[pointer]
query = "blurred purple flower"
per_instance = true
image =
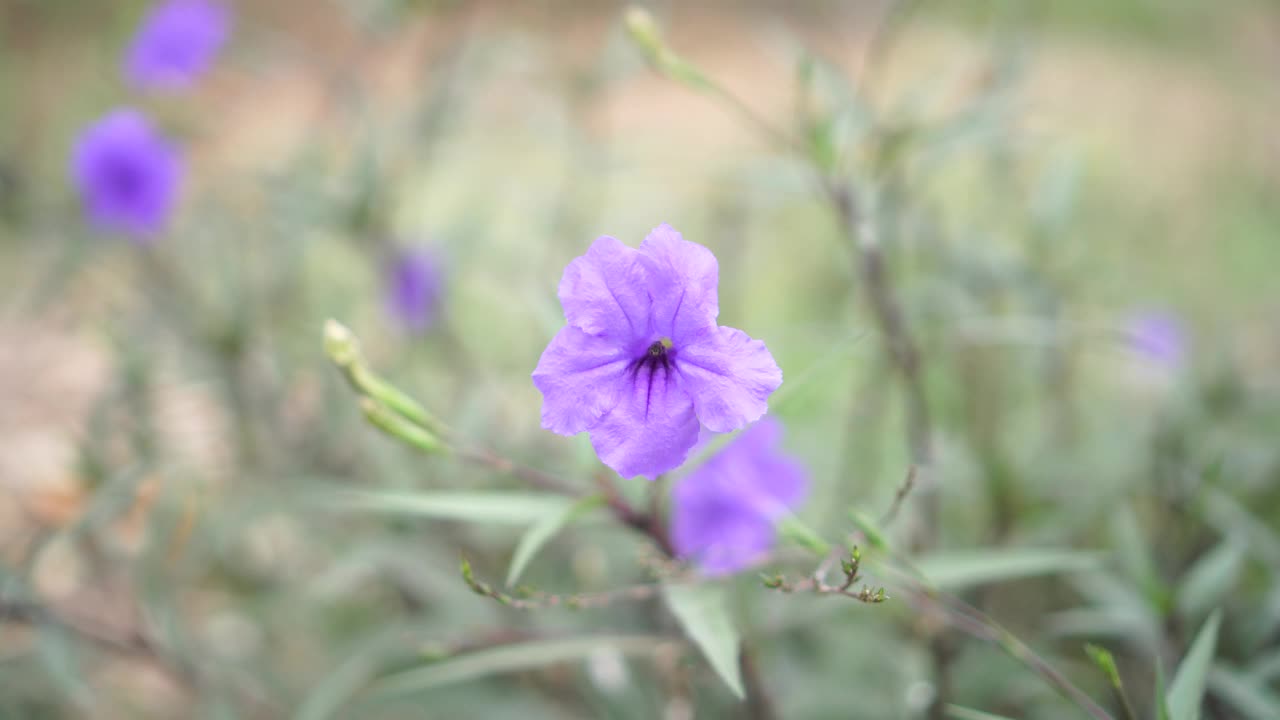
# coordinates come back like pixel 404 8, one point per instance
pixel 127 174
pixel 414 288
pixel 176 43
pixel 1157 336
pixel 642 359
pixel 724 513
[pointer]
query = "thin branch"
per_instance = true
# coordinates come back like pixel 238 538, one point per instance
pixel 900 347
pixel 903 490
pixel 531 476
pixel 977 624
pixel 530 599
pixel 131 642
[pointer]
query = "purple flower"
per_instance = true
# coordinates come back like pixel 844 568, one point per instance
pixel 176 43
pixel 642 359
pixel 414 287
pixel 724 513
pixel 1157 336
pixel 127 174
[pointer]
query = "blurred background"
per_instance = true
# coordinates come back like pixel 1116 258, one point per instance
pixel 1077 213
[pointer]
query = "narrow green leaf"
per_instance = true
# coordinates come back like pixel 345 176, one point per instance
pixel 795 531
pixel 500 508
pixel 339 685
pixel 703 613
pixel 1265 668
pixel 955 570
pixel 1250 698
pixel 1134 556
pixel 1187 691
pixel 1210 578
pixel 1230 517
pixel 545 529
pixel 58 655
pixel 506 659
pixel 963 713
pixel 1160 701
pixel 870 528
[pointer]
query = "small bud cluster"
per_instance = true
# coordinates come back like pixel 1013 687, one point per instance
pixel 849 565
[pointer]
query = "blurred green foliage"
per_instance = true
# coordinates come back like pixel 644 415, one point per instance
pixel 222 535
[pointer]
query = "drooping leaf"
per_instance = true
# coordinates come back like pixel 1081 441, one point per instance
pixel 1187 690
pixel 704 615
pixel 1210 578
pixel 1250 698
pixel 545 529
pixel 955 570
pixel 500 508
pixel 506 659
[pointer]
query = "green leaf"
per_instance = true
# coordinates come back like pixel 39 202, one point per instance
pixel 1187 690
pixel 1210 578
pixel 1161 703
pixel 506 659
pixel 1249 697
pixel 963 713
pixel 702 612
pixel 1230 517
pixel 545 529
pixel 870 528
pixel 1134 556
pixel 58 655
pixel 339 685
pixel 500 508
pixel 796 532
pixel 955 570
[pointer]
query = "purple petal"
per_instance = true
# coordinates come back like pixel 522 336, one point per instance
pixel 718 535
pixel 581 378
pixel 684 281
pixel 774 481
pixel 723 513
pixel 652 428
pixel 414 287
pixel 604 292
pixel 127 174
pixel 1158 336
pixel 729 376
pixel 176 43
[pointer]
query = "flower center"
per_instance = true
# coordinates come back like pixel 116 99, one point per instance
pixel 658 355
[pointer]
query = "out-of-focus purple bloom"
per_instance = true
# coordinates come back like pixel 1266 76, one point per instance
pixel 642 359
pixel 724 513
pixel 1157 336
pixel 127 174
pixel 176 43
pixel 414 288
